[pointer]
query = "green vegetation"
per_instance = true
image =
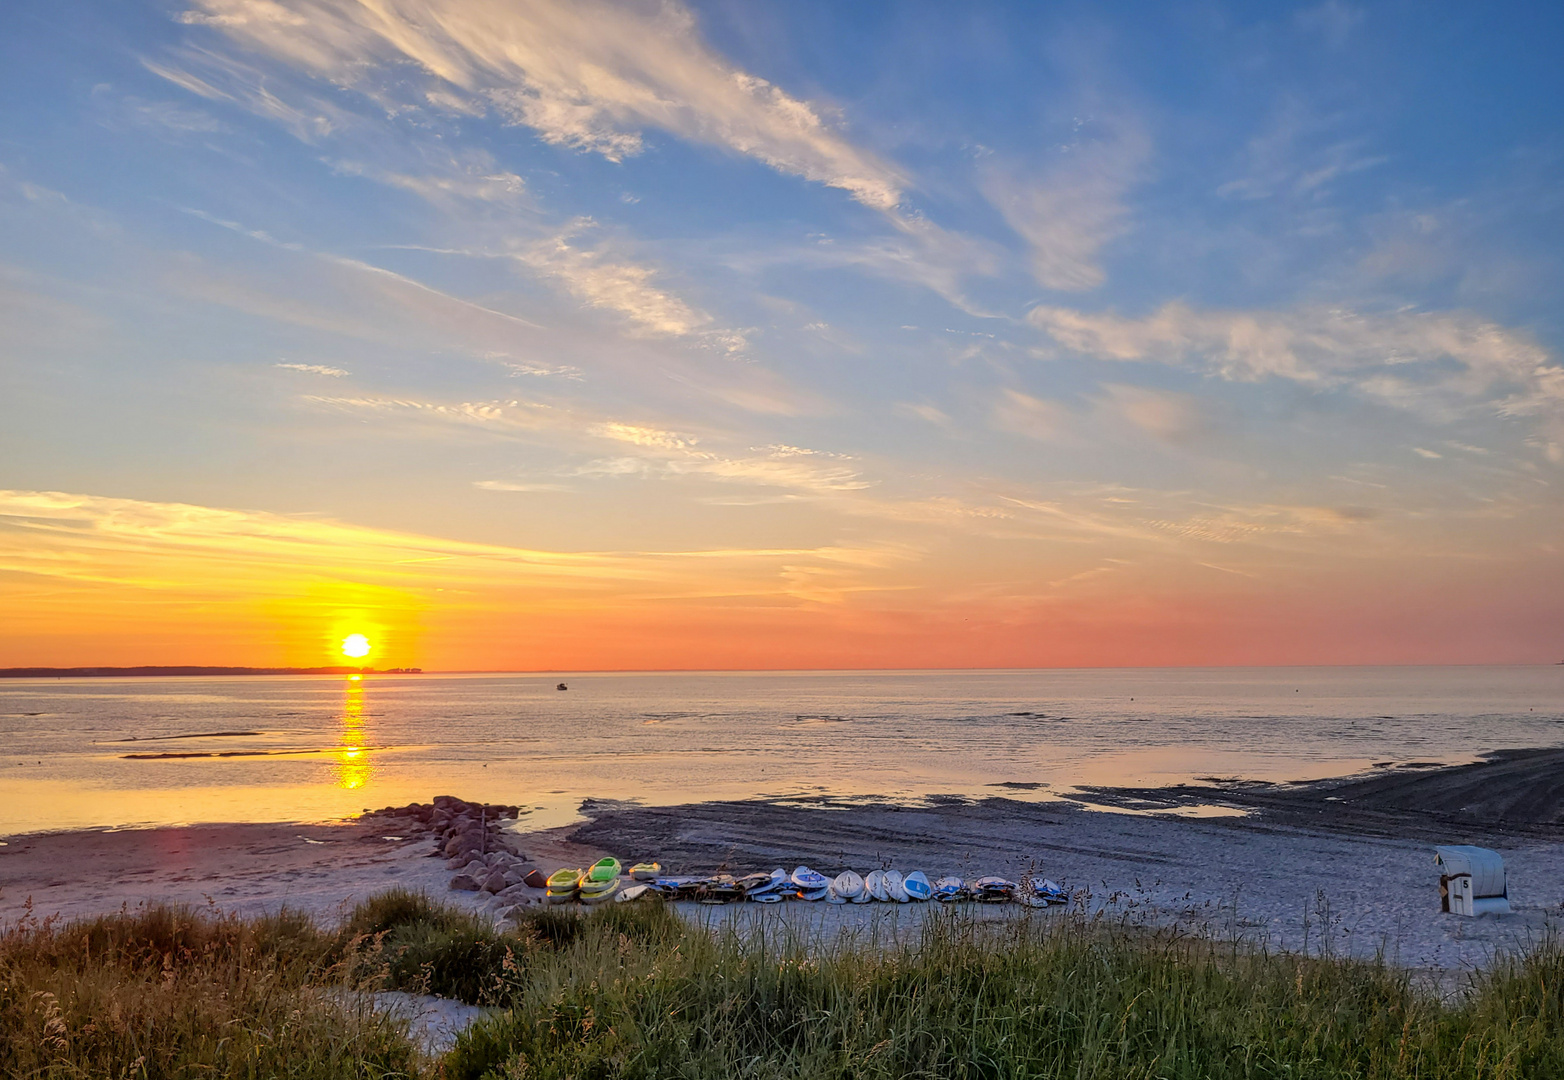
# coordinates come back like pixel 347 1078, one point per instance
pixel 633 991
pixel 172 993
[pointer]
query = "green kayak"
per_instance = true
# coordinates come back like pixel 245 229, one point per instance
pixel 603 870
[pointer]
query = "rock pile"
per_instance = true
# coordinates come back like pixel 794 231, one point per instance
pixel 473 840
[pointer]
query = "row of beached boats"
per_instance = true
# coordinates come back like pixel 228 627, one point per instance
pixel 604 880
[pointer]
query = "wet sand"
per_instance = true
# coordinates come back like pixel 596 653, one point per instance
pixel 1348 862
pixel 1509 794
pixel 319 869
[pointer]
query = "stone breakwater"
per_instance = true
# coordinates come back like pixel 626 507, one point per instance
pixel 474 841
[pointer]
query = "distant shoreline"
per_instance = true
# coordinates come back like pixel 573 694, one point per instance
pixel 191 669
pixel 122 672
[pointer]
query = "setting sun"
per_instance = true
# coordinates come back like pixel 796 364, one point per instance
pixel 355 645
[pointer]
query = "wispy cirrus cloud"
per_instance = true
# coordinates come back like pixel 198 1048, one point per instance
pixel 642 449
pixel 1177 419
pixel 1034 417
pixel 1438 363
pixel 450 177
pixel 1297 155
pixel 1077 203
pixel 587 75
pixel 604 277
pixel 107 550
pixel 164 119
pixel 917 252
pixel 601 280
pixel 316 369
pixel 581 73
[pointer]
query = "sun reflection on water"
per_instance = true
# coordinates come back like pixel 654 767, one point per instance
pixel 353 766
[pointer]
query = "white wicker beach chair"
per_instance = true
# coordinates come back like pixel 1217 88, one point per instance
pixel 1472 881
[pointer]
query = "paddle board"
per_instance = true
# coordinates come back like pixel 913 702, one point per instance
pixel 808 880
pixel 947 889
pixel 894 887
pixel 848 884
pixel 917 886
pixel 874 884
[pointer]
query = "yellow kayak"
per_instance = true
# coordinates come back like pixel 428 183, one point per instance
pixel 564 881
pixel 598 892
pixel 646 871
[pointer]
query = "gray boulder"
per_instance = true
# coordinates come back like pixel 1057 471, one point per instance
pixel 495 882
pixel 465 883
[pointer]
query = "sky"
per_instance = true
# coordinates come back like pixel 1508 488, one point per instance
pixel 569 334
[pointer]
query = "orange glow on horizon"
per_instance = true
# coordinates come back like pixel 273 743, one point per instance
pixel 121 582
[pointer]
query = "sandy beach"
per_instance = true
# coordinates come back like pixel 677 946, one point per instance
pixel 1345 864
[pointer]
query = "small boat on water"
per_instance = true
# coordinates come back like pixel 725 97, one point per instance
pixel 646 871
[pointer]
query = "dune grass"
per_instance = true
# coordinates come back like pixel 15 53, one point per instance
pixel 1057 996
pixel 635 991
pixel 174 993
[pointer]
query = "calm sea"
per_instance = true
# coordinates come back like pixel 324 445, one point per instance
pixel 156 751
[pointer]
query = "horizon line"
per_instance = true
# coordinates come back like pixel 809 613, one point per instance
pixel 320 671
